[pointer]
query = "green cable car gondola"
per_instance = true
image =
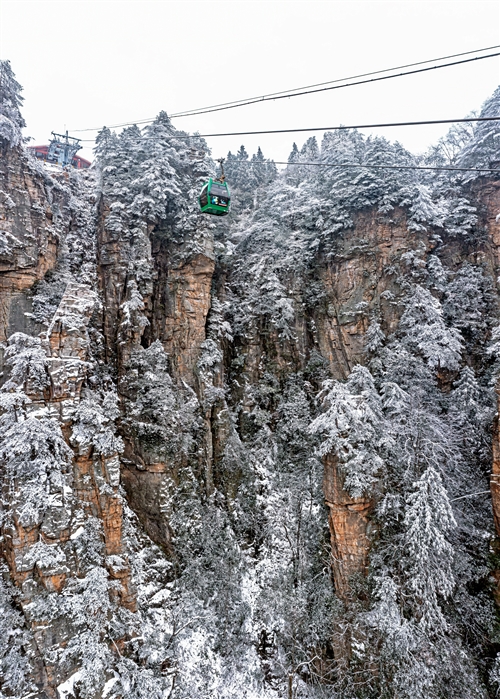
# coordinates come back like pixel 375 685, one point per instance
pixel 214 197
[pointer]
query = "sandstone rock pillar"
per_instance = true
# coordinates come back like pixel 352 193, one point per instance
pixel 350 528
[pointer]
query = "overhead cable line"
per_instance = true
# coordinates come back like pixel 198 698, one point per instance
pixel 332 87
pixel 309 89
pixel 430 122
pixel 188 112
pixel 377 167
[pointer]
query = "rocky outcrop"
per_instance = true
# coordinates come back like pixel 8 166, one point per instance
pixel 153 288
pixel 358 281
pixel 488 196
pixel 91 486
pixel 156 288
pixel 96 477
pixel 31 224
pixel 35 221
pixel 351 531
pixel 179 306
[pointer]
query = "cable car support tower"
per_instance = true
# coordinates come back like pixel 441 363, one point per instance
pixel 62 149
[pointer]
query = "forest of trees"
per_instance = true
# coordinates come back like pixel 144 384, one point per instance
pixel 238 597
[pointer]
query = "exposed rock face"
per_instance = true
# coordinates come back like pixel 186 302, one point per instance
pixel 361 277
pixel 175 300
pixel 152 289
pixel 68 366
pixel 35 222
pixel 355 284
pixel 92 483
pixel 489 198
pixel 168 301
pixel 350 529
pixel 31 225
pixel 68 347
pixel 179 305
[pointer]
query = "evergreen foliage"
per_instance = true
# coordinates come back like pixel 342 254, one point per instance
pixel 353 430
pixel 483 150
pixel 159 415
pixel 248 178
pixel 241 602
pixel 16 671
pixel 11 121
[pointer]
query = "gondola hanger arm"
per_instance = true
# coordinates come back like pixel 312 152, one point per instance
pixel 222 175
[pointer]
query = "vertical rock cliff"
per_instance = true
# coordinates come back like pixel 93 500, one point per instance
pixel 249 458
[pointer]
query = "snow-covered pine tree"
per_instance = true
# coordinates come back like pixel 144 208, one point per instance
pixel 352 428
pixel 424 331
pixel 17 672
pixel 11 120
pixel 483 150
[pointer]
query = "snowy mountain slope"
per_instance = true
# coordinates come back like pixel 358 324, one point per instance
pixel 250 458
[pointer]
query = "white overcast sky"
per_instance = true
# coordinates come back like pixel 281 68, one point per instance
pixel 89 63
